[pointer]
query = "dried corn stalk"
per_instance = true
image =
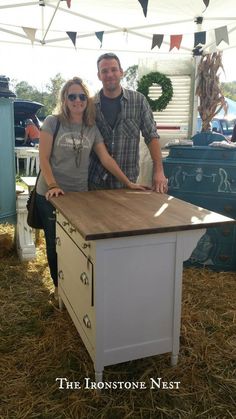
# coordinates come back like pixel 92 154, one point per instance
pixel 208 88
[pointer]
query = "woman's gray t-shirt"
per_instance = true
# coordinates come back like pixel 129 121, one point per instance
pixel 69 167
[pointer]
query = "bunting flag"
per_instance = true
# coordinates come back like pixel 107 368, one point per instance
pixel 72 36
pixel 199 38
pixel 175 41
pixel 144 4
pixel 99 35
pixel 221 34
pixel 206 2
pixel 157 39
pixel 68 2
pixel 30 32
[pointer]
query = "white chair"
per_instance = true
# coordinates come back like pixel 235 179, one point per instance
pixel 31 157
pixel 34 162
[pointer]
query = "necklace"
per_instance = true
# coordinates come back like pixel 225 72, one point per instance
pixel 78 146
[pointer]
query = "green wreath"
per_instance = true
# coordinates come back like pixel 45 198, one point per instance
pixel 167 90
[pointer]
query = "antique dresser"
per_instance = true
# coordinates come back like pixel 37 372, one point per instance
pixel 206 176
pixel 120 258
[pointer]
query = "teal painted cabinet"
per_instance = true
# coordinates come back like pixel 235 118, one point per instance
pixel 206 176
pixel 7 162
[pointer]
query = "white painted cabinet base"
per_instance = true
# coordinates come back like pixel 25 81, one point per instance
pixel 130 307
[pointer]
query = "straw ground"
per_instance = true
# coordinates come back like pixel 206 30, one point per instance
pixel 39 344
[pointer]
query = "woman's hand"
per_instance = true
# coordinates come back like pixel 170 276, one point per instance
pixel 54 192
pixel 139 187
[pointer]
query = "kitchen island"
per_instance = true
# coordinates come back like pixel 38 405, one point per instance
pixel 120 259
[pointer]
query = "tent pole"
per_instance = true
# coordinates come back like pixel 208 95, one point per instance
pixel 195 97
pixel 197 57
pixel 42 21
pixel 43 40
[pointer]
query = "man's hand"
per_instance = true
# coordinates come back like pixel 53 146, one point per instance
pixel 160 183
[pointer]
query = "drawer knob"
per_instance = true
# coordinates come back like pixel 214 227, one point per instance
pixel 228 208
pixel 86 321
pixel 72 230
pixel 58 241
pixel 226 232
pixel 65 223
pixel 85 245
pixel 224 258
pixel 60 275
pixel 84 278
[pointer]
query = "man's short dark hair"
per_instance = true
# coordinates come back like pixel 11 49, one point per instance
pixel 108 56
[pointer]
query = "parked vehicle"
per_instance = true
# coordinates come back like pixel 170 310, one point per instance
pixel 223 126
pixel 23 110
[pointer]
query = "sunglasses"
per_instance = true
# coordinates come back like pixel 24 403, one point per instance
pixel 73 96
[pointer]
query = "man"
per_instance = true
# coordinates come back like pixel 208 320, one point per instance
pixel 31 133
pixel 120 116
pixel 233 138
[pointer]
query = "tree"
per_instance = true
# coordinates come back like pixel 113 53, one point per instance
pixel 130 78
pixel 229 89
pixel 54 88
pixel 24 90
pixel 48 97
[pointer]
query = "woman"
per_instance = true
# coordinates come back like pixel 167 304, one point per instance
pixel 64 159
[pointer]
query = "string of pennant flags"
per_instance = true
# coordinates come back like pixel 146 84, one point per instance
pixel 144 4
pixel 221 34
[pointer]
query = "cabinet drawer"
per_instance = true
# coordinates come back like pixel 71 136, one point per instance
pixel 76 278
pixel 85 246
pixel 201 177
pixel 225 234
pixel 225 205
pixel 202 153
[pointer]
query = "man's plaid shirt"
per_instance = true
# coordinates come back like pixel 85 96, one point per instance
pixel 122 141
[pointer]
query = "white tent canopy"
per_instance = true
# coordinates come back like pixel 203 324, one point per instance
pixel 122 22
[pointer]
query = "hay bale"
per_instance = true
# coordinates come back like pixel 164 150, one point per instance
pixel 38 343
pixel 6 244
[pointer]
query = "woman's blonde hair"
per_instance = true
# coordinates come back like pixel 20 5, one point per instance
pixel 62 109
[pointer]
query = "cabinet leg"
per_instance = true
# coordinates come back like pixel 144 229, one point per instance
pixel 174 360
pixel 60 303
pixel 98 376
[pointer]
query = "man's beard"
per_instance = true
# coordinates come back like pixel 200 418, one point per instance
pixel 112 87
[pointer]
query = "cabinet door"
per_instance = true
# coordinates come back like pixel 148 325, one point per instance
pixel 76 279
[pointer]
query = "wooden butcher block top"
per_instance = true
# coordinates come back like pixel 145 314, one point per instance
pixel 122 212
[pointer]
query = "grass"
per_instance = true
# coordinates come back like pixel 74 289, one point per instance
pixel 39 343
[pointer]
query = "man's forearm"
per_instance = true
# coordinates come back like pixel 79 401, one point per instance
pixel 160 183
pixel 155 152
